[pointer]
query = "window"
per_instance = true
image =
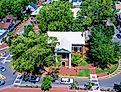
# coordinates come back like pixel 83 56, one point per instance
pixel 75 49
pixel 78 49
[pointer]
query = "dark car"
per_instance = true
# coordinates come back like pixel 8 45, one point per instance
pixel 118 36
pixel 34 79
pixel 31 78
pixel 2 68
pixel 26 78
pixel 2 82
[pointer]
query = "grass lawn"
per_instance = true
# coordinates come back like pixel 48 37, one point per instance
pixel 109 70
pixel 83 63
pixel 83 72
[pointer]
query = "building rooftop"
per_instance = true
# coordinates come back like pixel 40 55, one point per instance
pixel 5 22
pixel 118 6
pixel 66 39
pixel 36 11
pixel 33 5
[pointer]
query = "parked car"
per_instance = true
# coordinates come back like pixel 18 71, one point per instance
pixel 34 79
pixel 67 81
pixel 54 79
pixel 26 78
pixel 31 78
pixel 19 76
pixel 118 36
pixel 2 82
pixel 2 68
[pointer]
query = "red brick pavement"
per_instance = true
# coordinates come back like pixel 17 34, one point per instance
pixel 74 70
pixel 36 28
pixel 3 45
pixel 20 26
pixel 92 71
pixel 69 71
pixel 55 89
pixel 102 74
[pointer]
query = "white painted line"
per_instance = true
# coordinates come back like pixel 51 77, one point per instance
pixel 20 80
pixel 94 79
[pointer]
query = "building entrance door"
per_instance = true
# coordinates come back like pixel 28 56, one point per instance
pixel 63 63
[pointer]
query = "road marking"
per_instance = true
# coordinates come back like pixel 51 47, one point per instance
pixel 94 79
pixel 20 80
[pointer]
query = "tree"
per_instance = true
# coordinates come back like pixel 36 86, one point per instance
pixel 89 85
pixel 46 83
pixel 102 51
pixel 31 50
pixel 74 85
pixel 96 11
pixel 76 58
pixel 27 29
pixel 57 17
pixel 13 7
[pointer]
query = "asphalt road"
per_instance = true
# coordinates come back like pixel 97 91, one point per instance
pixel 109 82
pixel 10 77
pixel 8 74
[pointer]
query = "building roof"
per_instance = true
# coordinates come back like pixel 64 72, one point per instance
pixel 118 6
pixel 33 5
pixel 2 33
pixel 36 11
pixel 5 22
pixel 66 39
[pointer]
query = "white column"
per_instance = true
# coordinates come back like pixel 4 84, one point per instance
pixel 70 0
pixel 56 57
pixel 69 60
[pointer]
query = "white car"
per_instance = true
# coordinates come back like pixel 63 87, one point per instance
pixel 67 81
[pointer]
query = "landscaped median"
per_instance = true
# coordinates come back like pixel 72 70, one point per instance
pixel 84 71
pixel 107 70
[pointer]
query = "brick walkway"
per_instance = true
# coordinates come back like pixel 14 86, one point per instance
pixel 23 24
pixel 3 45
pixel 55 89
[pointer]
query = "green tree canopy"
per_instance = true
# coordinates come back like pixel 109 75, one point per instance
pixel 102 49
pixel 31 50
pixel 96 10
pixel 13 7
pixel 57 16
pixel 76 58
pixel 46 83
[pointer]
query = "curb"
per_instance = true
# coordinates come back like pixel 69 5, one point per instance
pixel 111 75
pixel 74 77
pixel 4 48
pixel 6 87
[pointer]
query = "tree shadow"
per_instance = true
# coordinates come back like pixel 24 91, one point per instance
pixel 117 88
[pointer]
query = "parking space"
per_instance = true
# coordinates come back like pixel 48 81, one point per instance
pixel 25 80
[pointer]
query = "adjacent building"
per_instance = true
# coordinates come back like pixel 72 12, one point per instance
pixel 7 24
pixel 76 3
